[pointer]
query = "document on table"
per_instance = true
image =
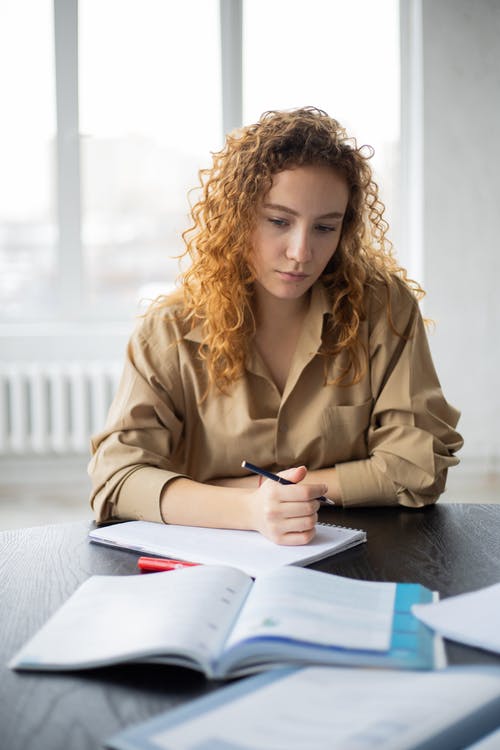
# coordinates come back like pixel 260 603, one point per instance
pixel 330 707
pixel 473 618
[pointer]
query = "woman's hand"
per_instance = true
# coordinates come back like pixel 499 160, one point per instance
pixel 287 514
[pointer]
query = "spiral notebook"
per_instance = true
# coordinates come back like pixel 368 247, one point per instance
pixel 247 550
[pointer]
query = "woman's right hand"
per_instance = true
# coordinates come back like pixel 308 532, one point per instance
pixel 287 514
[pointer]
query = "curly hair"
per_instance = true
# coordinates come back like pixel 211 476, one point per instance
pixel 217 288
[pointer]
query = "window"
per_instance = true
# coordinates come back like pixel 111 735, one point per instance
pixel 28 233
pixel 144 102
pixel 340 57
pixel 150 112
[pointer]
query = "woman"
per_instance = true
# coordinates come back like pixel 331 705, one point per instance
pixel 295 341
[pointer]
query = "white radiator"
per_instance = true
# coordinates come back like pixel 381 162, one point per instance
pixel 54 407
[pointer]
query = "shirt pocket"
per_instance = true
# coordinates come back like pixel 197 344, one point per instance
pixel 346 431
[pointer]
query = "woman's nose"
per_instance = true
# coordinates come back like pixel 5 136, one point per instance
pixel 299 247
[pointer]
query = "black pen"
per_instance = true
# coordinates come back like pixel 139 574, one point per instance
pixel 276 478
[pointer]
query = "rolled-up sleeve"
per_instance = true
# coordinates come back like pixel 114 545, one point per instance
pixel 411 438
pixel 132 457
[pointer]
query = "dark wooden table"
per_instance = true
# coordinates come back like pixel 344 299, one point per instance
pixel 449 548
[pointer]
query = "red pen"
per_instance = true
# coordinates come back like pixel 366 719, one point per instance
pixel 152 564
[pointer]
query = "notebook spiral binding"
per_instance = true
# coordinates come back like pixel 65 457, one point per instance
pixel 337 526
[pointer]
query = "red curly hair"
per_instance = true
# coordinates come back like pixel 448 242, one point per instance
pixel 217 288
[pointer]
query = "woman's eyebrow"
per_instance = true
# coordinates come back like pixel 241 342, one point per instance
pixel 279 207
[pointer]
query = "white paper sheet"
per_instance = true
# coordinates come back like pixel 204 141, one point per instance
pixel 473 618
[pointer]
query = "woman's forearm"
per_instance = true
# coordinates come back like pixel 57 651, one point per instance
pixel 284 513
pixel 250 482
pixel 189 503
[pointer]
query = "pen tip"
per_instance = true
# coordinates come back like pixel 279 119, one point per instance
pixel 243 463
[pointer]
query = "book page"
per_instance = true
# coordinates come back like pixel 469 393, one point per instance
pixel 306 605
pixel 324 707
pixel 117 618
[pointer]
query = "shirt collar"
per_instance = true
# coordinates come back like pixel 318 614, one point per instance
pixel 311 336
pixel 312 331
pixel 195 334
pixel 309 342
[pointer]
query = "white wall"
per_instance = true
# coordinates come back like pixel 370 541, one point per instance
pixel 461 177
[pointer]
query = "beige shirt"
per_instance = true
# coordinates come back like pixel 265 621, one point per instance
pixel 391 437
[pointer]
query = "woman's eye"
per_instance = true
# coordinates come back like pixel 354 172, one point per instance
pixel 325 229
pixel 278 222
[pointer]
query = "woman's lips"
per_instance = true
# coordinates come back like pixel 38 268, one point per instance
pixel 292 276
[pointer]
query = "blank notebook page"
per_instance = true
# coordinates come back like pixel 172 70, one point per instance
pixel 247 550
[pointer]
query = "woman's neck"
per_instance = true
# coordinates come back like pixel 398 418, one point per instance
pixel 279 325
pixel 273 314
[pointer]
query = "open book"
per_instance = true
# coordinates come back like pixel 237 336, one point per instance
pixel 218 621
pixel 247 550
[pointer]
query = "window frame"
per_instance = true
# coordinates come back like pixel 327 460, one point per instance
pixel 68 189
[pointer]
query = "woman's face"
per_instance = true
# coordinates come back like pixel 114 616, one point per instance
pixel 298 229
